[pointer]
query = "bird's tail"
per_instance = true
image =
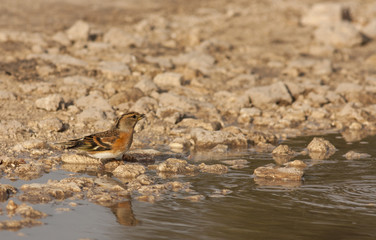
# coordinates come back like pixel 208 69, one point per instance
pixel 68 144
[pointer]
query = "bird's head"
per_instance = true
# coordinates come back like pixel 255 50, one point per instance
pixel 127 121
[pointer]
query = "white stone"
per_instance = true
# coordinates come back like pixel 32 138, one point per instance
pixel 324 14
pixel 50 103
pixel 79 31
pixel 370 29
pixel 168 79
pixel 62 38
pixel 146 85
pixel 266 95
pixel 113 69
pixel 93 100
pixel 339 35
pixel 348 87
pixel 120 38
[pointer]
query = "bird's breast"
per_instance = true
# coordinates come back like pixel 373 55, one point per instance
pixel 124 142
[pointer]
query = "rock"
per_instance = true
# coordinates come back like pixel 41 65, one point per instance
pixel 197 123
pixel 236 163
pixel 114 69
pixel 30 144
pixel 247 114
pixel 370 29
pixel 129 95
pixel 320 145
pixel 261 137
pixel 214 168
pixel 231 103
pixel 174 165
pixel 339 35
pixel 11 127
pixel 326 14
pixel 168 79
pixel 170 114
pixel 53 189
pixel 94 100
pixel 62 38
pixel 351 155
pixel 274 172
pixel 185 104
pixel 283 150
pixel 90 115
pixel 371 61
pixel 60 59
pixel 51 124
pixel 27 211
pixel 220 148
pixel 344 88
pixel 144 105
pixel 179 144
pixel 163 62
pixel 119 38
pixel 208 139
pixel 5 191
pixel 195 60
pixel 266 95
pixel 79 159
pixel 79 80
pixel 146 85
pixel 6 95
pixel 29 171
pixel 52 102
pixel 350 112
pixel 79 31
pixel 244 81
pixel 323 67
pixel 195 198
pixel 14 225
pixel 129 170
pixel 296 164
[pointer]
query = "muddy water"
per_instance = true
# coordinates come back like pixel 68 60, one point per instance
pixel 336 200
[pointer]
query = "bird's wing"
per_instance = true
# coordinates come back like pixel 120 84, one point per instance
pixel 96 142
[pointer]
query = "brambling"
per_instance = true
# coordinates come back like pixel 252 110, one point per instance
pixel 110 144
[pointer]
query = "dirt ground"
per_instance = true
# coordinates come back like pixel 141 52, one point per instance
pixel 249 37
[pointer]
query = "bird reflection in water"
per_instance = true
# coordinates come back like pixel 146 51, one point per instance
pixel 124 213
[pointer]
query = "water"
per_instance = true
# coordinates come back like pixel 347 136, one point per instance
pixel 336 200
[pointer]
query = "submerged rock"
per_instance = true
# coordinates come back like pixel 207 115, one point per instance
pixel 236 163
pixel 351 155
pixel 215 168
pixel 174 165
pixel 288 172
pixel 195 198
pixel 18 224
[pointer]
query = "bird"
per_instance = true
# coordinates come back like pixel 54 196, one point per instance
pixel 110 144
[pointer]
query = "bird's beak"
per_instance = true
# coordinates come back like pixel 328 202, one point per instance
pixel 140 117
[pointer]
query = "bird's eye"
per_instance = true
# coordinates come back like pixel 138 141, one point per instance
pixel 134 116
